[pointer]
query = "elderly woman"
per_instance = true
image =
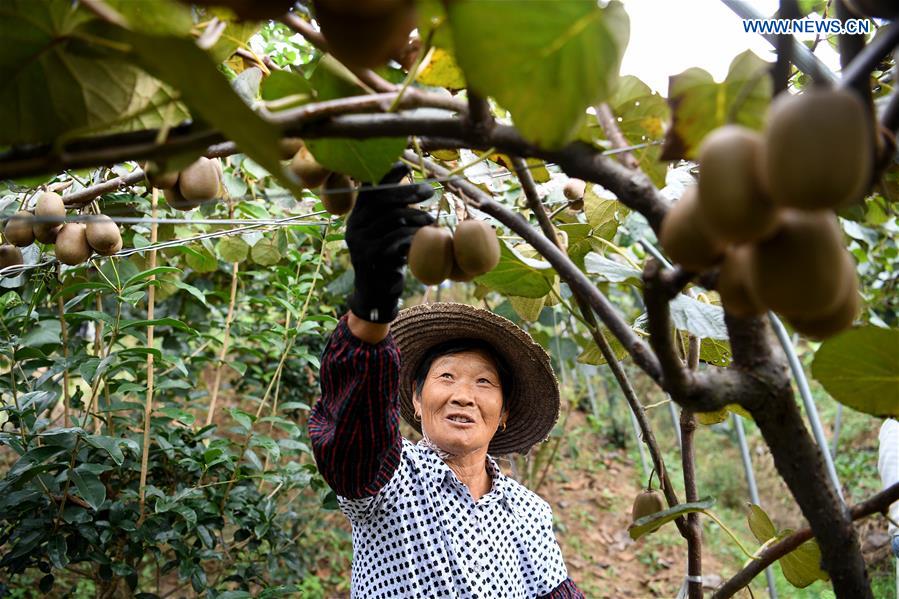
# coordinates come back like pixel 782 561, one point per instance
pixel 437 518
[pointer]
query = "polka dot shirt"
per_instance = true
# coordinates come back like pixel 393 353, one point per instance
pixel 424 536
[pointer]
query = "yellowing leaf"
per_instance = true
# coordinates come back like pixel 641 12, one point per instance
pixel 527 308
pixel 442 71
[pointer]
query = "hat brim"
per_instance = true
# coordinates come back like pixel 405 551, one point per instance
pixel 534 399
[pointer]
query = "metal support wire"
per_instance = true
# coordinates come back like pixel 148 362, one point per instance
pixel 753 489
pixel 810 409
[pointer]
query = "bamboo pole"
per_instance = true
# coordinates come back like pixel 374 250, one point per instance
pixel 148 404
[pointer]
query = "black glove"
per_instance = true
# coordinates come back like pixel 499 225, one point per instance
pixel 378 233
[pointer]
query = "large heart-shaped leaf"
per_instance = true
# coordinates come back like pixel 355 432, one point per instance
pixel 516 275
pixel 570 51
pixel 700 104
pixel 860 369
pixel 642 118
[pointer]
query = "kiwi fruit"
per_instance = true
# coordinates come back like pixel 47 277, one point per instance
pixel 475 247
pixel 289 146
pixel 459 275
pixel 731 196
pixel 734 287
pixel 10 255
pixel 18 230
pixel 818 150
pixel 103 235
pixel 646 503
pixel 310 172
pixel 685 237
pixel 366 39
pixel 431 255
pixel 177 201
pixel 158 179
pixel 338 194
pixel 49 205
pixel 838 319
pixel 800 270
pixel 883 9
pixel 574 189
pixel 200 181
pixel 71 244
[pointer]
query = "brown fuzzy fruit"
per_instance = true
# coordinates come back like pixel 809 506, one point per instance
pixel 685 237
pixel 310 172
pixel 103 235
pixel 338 194
pixel 800 270
pixel 49 205
pixel 431 255
pixel 837 320
pixel 731 196
pixel 19 230
pixel 734 284
pixel 883 9
pixel 71 244
pixel 10 255
pixel 818 149
pixel 475 247
pixel 574 189
pixel 200 181
pixel 158 179
pixel 177 201
pixel 289 147
pixel 648 502
pixel 459 275
pixel 366 40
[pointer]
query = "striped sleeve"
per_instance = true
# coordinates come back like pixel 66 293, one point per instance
pixel 354 426
pixel 566 590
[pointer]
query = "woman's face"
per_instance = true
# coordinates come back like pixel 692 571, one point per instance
pixel 461 402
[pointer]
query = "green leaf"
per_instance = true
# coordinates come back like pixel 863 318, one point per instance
pixel 860 369
pixel 109 444
pixel 158 322
pixel 178 414
pixel 570 50
pixel 57 551
pixel 653 522
pixel 760 524
pixel 232 249
pixel 802 566
pixel 591 354
pixel 89 487
pixel 518 276
pixel 602 213
pixel 700 104
pixel 56 79
pixel 703 320
pixel 268 444
pixel 265 253
pixel 243 419
pixel 158 16
pixel 190 70
pixel 364 160
pixel 34 457
pixel 282 84
pixel 144 275
pixel 527 308
pixel 201 297
pixel 643 116
pixel 612 271
pixel 200 259
pixel 46 332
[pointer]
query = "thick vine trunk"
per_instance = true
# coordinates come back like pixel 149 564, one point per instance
pixel 799 462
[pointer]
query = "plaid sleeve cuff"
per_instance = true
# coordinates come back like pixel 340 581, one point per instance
pixel 354 427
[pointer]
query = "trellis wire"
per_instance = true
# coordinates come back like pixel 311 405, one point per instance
pixel 811 409
pixel 11 271
pixel 753 488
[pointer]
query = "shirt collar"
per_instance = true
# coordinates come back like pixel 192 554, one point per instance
pixel 435 471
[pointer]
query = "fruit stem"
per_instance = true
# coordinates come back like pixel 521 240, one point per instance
pixel 730 533
pixel 424 57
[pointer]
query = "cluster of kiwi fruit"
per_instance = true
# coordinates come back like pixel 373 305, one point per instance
pixel 337 192
pixel 764 209
pixel 365 33
pixel 74 241
pixel 436 254
pixel 574 191
pixel 199 182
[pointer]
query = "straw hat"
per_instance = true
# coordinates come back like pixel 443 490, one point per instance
pixel 534 398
